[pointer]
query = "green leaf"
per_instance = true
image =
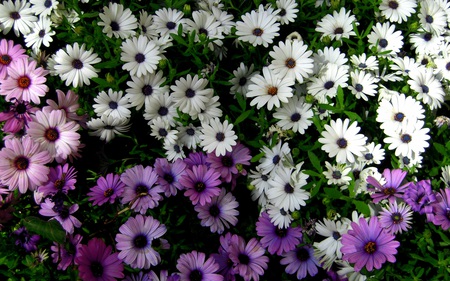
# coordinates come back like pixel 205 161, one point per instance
pixel 362 207
pixel 340 98
pixel 51 229
pixel 440 148
pixel 243 116
pixel 332 192
pixel 315 161
pixel 353 116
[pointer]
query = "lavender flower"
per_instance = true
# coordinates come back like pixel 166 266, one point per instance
pixel 61 213
pixel 201 184
pixel 60 179
pixel 194 267
pixel 26 240
pixel 420 197
pixel 196 158
pixel 227 165
pixel 396 218
pixel 169 175
pixel 392 188
pixel 301 261
pixel 66 255
pixel 441 209
pixel 17 116
pixel 107 189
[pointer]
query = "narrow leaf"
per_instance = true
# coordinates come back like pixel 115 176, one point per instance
pixel 51 229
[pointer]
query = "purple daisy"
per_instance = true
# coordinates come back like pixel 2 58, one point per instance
pixel 107 189
pixel 163 276
pixel 24 82
pixel 231 163
pixel 17 116
pixel 65 255
pixel 141 188
pixel 441 209
pixel 220 213
pixel 96 262
pixel 277 240
pixel 201 184
pixel 420 197
pixel 67 102
pixel 368 245
pixel 223 258
pixel 195 159
pixel 392 189
pixel 169 175
pixel 26 240
pixel 396 218
pixel 301 261
pixel 55 134
pixel 194 267
pixel 61 213
pixel 248 259
pixel 9 53
pixel 60 179
pixel 22 164
pixel 135 241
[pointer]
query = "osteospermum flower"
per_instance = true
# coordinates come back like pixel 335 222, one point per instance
pixel 368 245
pixel 112 103
pixel 241 79
pixel 74 65
pixel 398 10
pixel 275 157
pixel 166 21
pixel 134 241
pixel 363 84
pixel 144 87
pixel 396 218
pixel 301 261
pixel 441 209
pixel 201 184
pixel 25 81
pixel 61 178
pixel 288 11
pixel 62 255
pixel 22 164
pixel 295 115
pixel 55 134
pixel 67 102
pixel 194 266
pixel 218 137
pixel 410 139
pixel 9 52
pixel 43 7
pixel 329 249
pixel 16 15
pixel 169 175
pixel 62 213
pixel 258 27
pixel 327 83
pixel 96 262
pixel 190 94
pixel 26 240
pixel 117 21
pixel 107 127
pixel 17 116
pixel 343 141
pixel 337 26
pixel 427 87
pixel 41 34
pixel 108 188
pixel 392 187
pixel 141 56
pixel 385 38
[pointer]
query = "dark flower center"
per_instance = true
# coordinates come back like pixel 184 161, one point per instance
pixel 51 134
pixel 336 175
pixel 425 89
pixel 339 30
pixel 140 241
pixel 64 213
pixel 170 25
pixel 370 247
pixel 77 64
pixel 288 188
pixel 242 81
pixel 21 163
pixel 113 105
pixel 177 148
pixel 109 192
pixel 162 132
pixel 214 211
pixel 264 177
pixel 168 178
pixel 429 19
pixel 258 32
pixel 142 190
pixel 342 143
pixel 59 184
pixel 41 33
pixel 290 63
pixel 272 91
pixel 399 117
pixel 447 213
pixel 14 15
pixel 336 235
pixel 190 132
pixel 190 93
pixel 396 218
pixel 48 3
pixel 5 59
pixel 199 186
pixel 424 61
pixel 203 31
pixel 220 136
pixel 383 43
pixel 115 26
pixel 140 58
pixel 96 269
pixel 21 108
pixel 328 85
pixel 147 90
pixel 302 254
pixel 389 191
pixel 447 66
pixel 24 82
pixel 393 4
pixel 362 65
pixel 427 37
pixel 282 13
pixel 243 259
pixel 163 111
pixel 283 212
pixel 405 138
pixel 227 161
pixel 276 159
pixel 406 160
pixel 368 156
pixel 359 87
pixel 195 275
pixel 295 117
pixel 281 232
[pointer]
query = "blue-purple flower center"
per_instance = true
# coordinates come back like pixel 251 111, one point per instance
pixel 96 269
pixel 342 143
pixel 399 117
pixel 214 210
pixel 242 81
pixel 190 132
pixel 427 37
pixel 48 3
pixel 140 241
pixel 328 85
pixel 147 90
pixel 227 161
pixel 290 63
pixel 220 136
pixel 114 26
pixel 283 212
pixel 362 65
pixel 429 19
pixel 41 33
pixel 258 32
pixel 199 186
pixel 203 31
pixel 140 58
pixel 264 177
pixel 243 259
pixel 393 4
pixel 21 108
pixel 195 275
pixel 281 232
pixel 447 213
pixel 302 254
pixel 276 159
pixel 162 132
pixel 113 104
pixel 77 64
pixel 359 87
pixel 190 93
pixel 141 190
pixel 336 175
pixel 288 188
pixel 405 138
pixel 396 218
pixel 14 15
pixel 170 25
pixel 425 89
pixel 336 235
pixel 370 247
pixel 168 178
pixel 383 43
pixel 406 160
pixel 339 30
pixel 368 156
pixel 163 111
pixel 21 163
pixel 295 117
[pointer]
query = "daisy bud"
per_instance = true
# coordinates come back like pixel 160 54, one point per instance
pixel 187 10
pixel 250 187
pixel 413 25
pixel 405 89
pixel 109 78
pixel 326 40
pixel 295 215
pixel 310 99
pixel 331 214
pixel 162 64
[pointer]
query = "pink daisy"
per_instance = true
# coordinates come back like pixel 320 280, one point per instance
pixel 67 102
pixel 9 53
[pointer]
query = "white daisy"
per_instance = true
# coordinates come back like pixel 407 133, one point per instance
pixel 330 247
pixel 385 39
pixel 41 34
pixel 190 94
pixel 427 87
pixel 443 67
pixel 338 174
pixel 204 23
pixel 410 138
pixel 426 43
pixel 413 162
pixel 292 59
pixel 189 135
pixel 161 130
pixel 212 111
pixel 445 175
pixel 288 11
pixel 112 103
pixel 343 141
pixel 166 21
pixel 337 26
pixel 241 79
pixel 363 84
pixel 364 62
pixel 258 27
pixel 326 85
pixel 146 25
pixel 274 157
pixel 329 55
pixel 373 154
pixel 16 15
pixel 225 19
pixel 398 10
pixel 74 65
pixel 260 185
pixel 117 21
pixel 295 115
pixel 141 56
pixel 432 17
pixel 280 217
pixel 392 113
pixel 142 88
pixel 269 89
pixel 218 137
pixel 43 7
pixel 404 65
pixel 107 127
pixel 174 151
pixel 161 105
